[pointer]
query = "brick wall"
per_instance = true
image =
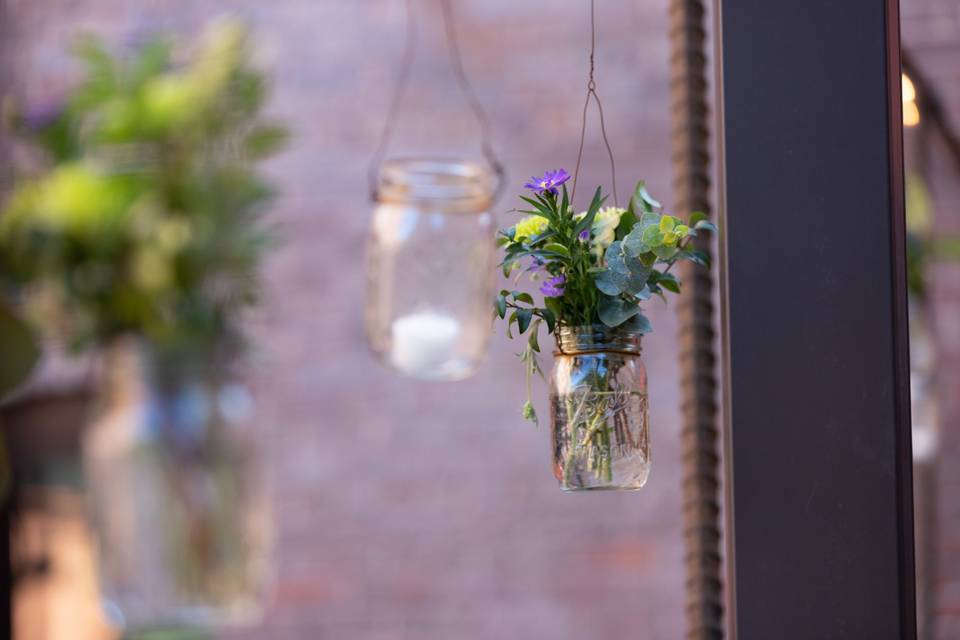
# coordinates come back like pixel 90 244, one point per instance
pixel 404 509
pixel 931 31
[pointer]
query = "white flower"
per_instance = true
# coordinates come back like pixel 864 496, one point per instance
pixel 603 230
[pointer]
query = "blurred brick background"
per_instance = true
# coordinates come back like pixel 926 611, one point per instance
pixel 406 509
pixel 424 511
pixel 931 31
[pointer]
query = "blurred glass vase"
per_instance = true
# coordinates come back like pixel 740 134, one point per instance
pixel 175 492
pixel 429 262
pixel 599 410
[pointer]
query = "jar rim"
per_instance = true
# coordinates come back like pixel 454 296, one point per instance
pixel 597 338
pixel 435 178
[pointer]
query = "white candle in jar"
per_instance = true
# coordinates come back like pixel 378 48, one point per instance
pixel 424 344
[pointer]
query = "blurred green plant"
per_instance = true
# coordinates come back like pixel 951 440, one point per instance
pixel 923 247
pixel 142 213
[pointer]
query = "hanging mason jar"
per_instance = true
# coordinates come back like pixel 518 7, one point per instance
pixel 431 246
pixel 430 257
pixel 599 410
pixel 176 497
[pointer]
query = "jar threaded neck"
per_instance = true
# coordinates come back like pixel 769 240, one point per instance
pixel 580 339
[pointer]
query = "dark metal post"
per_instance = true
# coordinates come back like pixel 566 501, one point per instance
pixel 815 322
pixel 691 166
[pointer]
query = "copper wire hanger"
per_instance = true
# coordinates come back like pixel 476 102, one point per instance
pixel 466 88
pixel 592 93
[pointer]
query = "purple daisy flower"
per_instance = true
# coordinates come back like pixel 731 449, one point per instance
pixel 549 182
pixel 536 265
pixel 553 287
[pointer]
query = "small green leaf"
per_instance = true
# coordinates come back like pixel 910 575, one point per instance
pixel 556 247
pixel 549 318
pixel 696 217
pixel 626 224
pixel 541 209
pixel 669 282
pixel 587 221
pixel 705 224
pixel 501 306
pixel 554 306
pixel 644 199
pixel 523 319
pixel 522 296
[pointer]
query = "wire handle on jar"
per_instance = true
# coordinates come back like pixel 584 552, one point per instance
pixel 592 93
pixel 403 79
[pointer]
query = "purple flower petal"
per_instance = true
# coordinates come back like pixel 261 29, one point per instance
pixel 553 287
pixel 549 182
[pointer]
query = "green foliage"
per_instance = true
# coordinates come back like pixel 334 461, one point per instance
pixel 20 351
pixel 606 259
pixel 145 217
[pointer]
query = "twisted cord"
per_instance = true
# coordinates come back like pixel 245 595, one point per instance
pixel 592 94
pixel 695 311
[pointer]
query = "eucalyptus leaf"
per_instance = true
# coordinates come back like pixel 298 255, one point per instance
pixel 652 236
pixel 609 283
pixel 650 220
pixel 625 273
pixel 501 306
pixel 664 252
pixel 633 244
pixel 614 311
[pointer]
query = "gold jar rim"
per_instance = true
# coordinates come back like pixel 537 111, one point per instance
pixel 574 340
pixel 456 183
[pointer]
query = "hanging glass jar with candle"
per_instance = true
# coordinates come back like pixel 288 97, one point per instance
pixel 431 248
pixel 430 263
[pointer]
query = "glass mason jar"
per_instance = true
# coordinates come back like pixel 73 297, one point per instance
pixel 430 267
pixel 599 413
pixel 176 499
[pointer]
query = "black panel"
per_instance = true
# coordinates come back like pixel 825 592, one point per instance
pixel 818 396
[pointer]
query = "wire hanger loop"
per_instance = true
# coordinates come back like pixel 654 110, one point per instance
pixel 466 88
pixel 592 95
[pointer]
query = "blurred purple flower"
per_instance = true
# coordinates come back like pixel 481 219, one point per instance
pixel 553 287
pixel 536 265
pixel 42 115
pixel 585 234
pixel 549 182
